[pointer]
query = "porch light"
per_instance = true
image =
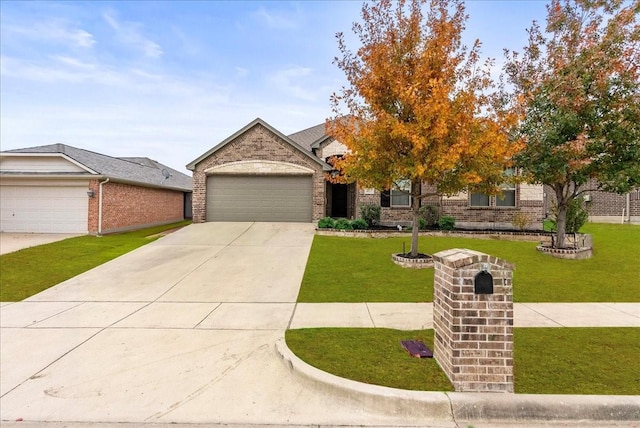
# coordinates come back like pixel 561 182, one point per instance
pixel 90 193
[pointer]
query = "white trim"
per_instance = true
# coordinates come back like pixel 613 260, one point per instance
pixel 49 155
pixel 259 167
pixel 398 189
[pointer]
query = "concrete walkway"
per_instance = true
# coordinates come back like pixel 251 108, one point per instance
pixel 184 330
pixel 416 316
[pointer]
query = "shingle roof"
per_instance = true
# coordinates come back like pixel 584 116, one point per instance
pixel 306 149
pixel 132 169
pixel 307 137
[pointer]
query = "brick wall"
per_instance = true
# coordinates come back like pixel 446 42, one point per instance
pixel 465 215
pixel 493 217
pixel 128 207
pixel 606 206
pixel 257 143
pixel 473 332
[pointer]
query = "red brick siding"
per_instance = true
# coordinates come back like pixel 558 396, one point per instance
pixel 460 210
pixel 94 206
pixel 126 206
pixel 258 143
pixel 604 204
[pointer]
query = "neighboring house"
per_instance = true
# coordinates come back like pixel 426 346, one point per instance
pixel 63 189
pixel 259 174
pixel 605 207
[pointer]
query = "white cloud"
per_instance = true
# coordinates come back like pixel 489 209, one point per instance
pixel 279 20
pixel 288 81
pixel 130 34
pixel 53 31
pixel 74 62
pixel 241 71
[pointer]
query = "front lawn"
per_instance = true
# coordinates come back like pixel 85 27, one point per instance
pixel 360 270
pixel 546 360
pixel 32 270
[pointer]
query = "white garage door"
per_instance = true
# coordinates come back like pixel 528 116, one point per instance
pixel 40 209
pixel 259 198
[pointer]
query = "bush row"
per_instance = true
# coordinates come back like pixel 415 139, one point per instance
pixel 342 224
pixel 445 223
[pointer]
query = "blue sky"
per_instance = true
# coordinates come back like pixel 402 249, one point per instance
pixel 169 80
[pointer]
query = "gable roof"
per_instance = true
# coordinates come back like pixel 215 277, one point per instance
pixel 295 144
pixel 138 170
pixel 308 137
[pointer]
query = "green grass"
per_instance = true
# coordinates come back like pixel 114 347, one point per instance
pixel 546 360
pixel 577 360
pixel 372 356
pixel 361 270
pixel 32 270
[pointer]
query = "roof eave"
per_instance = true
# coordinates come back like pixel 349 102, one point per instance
pixel 192 166
pixel 49 154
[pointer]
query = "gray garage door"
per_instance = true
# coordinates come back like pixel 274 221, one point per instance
pixel 259 198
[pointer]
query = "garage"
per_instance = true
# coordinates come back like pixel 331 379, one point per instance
pixel 41 209
pixel 268 198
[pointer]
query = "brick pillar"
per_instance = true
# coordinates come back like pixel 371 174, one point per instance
pixel 473 332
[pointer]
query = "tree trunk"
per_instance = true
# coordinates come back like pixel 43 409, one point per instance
pixel 415 208
pixel 561 218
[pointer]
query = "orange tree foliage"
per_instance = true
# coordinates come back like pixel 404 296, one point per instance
pixel 418 105
pixel 579 87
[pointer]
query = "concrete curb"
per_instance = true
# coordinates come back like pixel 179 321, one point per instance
pixel 459 406
pixel 391 401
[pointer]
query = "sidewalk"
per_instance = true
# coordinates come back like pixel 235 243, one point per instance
pixel 417 316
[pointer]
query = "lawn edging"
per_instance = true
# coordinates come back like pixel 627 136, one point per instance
pixel 461 406
pixel 510 235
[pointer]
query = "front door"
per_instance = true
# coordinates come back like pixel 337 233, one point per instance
pixel 339 197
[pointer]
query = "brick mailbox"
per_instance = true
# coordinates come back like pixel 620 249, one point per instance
pixel 473 320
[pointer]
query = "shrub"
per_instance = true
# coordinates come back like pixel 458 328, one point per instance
pixel 370 214
pixel 326 223
pixel 422 223
pixel 447 223
pixel 343 224
pixel 521 220
pixel 359 224
pixel 430 214
pixel 577 216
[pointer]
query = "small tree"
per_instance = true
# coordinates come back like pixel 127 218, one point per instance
pixel 418 106
pixel 577 215
pixel 578 84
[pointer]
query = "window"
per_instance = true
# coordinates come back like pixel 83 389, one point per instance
pixel 506 198
pixel 479 200
pixel 401 195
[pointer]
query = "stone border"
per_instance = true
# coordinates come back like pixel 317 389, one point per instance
pixel 479 234
pixel 567 253
pixel 407 262
pixel 465 406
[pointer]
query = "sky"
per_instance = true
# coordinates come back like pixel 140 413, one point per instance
pixel 169 80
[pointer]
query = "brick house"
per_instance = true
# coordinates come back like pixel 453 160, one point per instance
pixel 605 207
pixel 63 189
pixel 259 174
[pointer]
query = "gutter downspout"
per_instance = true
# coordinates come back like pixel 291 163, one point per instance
pixel 628 219
pixel 100 206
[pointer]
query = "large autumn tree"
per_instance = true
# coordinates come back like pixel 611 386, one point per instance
pixel 419 105
pixel 579 85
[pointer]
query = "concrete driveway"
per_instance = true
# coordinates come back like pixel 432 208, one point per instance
pixel 181 330
pixel 10 242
